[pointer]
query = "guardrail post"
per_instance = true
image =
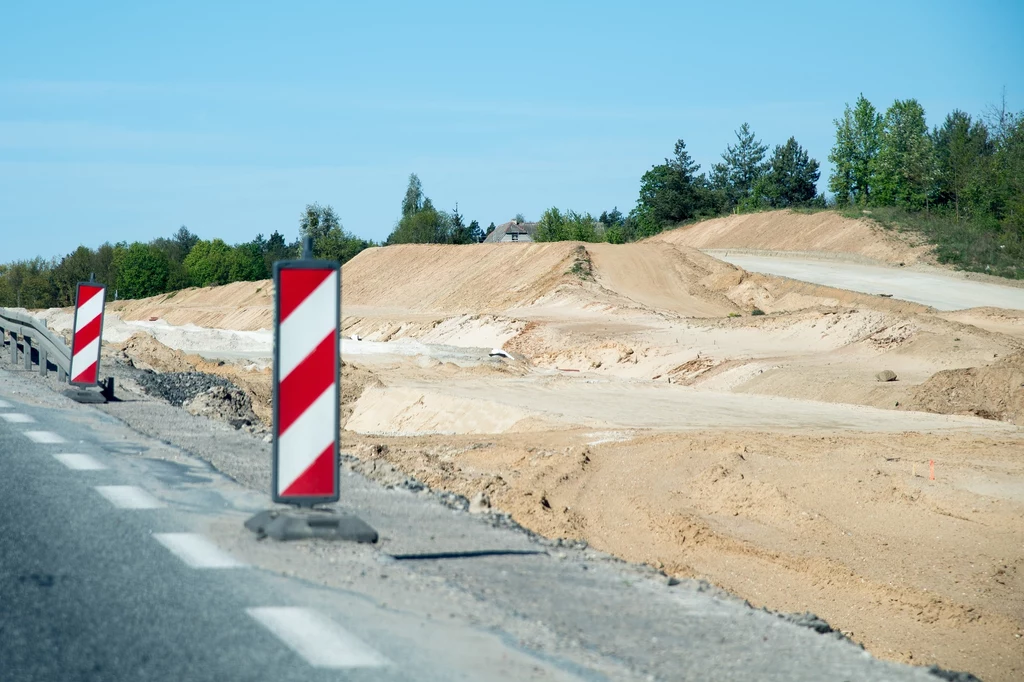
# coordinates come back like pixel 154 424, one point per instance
pixel 62 376
pixel 27 346
pixel 42 361
pixel 14 348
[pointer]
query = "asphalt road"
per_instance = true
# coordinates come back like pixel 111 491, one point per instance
pixel 107 575
pixel 141 570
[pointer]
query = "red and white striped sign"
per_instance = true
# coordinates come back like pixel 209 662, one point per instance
pixel 306 366
pixel 85 343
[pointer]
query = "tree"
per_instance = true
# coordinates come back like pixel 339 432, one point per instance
pixel 958 146
pixel 743 166
pixel 185 241
pixel 209 263
pixel 141 271
pixel 276 249
pixel 413 200
pixel 520 218
pixel 672 193
pixel 421 223
pixel 246 262
pixel 858 136
pixel 555 226
pixel 867 134
pixel 841 181
pixel 73 268
pixel 791 179
pixel 317 221
pixel 476 235
pixel 426 226
pixel 611 218
pixel 903 167
pixel 459 232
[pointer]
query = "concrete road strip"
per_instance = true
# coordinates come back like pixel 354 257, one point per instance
pixel 44 437
pixel 197 551
pixel 316 638
pixel 16 418
pixel 79 462
pixel 4 405
pixel 128 497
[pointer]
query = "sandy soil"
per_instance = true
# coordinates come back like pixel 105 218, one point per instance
pixel 825 233
pixel 645 409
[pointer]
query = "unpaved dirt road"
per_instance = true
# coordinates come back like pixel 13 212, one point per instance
pixel 938 289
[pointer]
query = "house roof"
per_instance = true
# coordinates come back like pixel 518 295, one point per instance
pixel 511 227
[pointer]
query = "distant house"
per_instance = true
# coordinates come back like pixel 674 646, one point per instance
pixel 512 232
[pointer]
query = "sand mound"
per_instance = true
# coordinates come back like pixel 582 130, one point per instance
pixel 825 232
pixel 476 278
pixel 243 306
pixel 993 392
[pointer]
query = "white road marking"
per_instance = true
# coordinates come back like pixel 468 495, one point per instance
pixel 4 405
pixel 197 551
pixel 318 639
pixel 79 462
pixel 45 437
pixel 16 418
pixel 128 497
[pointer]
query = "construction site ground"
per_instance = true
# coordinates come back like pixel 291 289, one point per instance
pixel 674 409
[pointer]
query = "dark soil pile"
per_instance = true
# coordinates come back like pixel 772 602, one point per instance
pixel 992 392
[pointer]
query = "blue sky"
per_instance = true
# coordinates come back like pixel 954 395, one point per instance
pixel 124 120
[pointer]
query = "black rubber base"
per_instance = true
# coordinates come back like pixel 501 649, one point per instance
pixel 300 524
pixel 85 395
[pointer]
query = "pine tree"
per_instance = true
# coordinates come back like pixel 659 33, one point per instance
pixel 743 165
pixel 791 179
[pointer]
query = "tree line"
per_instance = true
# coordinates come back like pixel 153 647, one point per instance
pixel 961 183
pixel 141 269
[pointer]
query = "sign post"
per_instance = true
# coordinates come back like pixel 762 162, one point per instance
pixel 88 334
pixel 86 344
pixel 306 404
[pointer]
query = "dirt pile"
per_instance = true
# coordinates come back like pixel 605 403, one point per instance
pixel 992 392
pixel 824 232
pixel 917 570
pixel 477 279
pixel 227 403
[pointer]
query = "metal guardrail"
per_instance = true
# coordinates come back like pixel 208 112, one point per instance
pixel 49 348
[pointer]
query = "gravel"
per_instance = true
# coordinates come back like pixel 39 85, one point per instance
pixel 179 387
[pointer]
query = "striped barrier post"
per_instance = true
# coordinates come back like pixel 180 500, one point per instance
pixel 88 334
pixel 306 381
pixel 307 398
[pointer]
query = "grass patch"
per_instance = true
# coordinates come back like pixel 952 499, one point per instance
pixel 968 245
pixel 581 266
pixel 171 294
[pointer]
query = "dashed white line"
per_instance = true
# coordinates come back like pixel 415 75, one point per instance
pixel 79 462
pixel 44 437
pixel 128 497
pixel 16 418
pixel 4 405
pixel 197 551
pixel 316 638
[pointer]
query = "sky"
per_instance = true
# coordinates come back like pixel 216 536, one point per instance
pixel 121 121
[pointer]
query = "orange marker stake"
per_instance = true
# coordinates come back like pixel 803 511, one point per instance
pixel 931 469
